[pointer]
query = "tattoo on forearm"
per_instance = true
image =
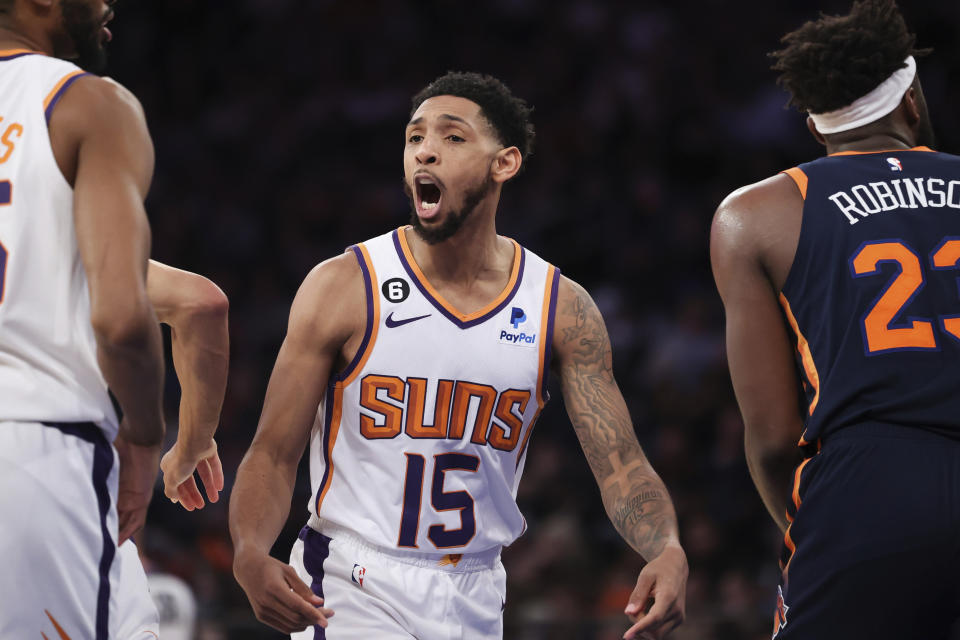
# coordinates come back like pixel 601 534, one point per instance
pixel 633 494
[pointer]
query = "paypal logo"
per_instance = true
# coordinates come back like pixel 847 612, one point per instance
pixel 517 338
pixel 517 316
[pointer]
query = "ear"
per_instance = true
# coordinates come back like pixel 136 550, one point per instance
pixel 911 109
pixel 816 134
pixel 506 163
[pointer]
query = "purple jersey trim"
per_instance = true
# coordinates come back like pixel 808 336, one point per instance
pixel 327 418
pixel 102 463
pixel 548 334
pixel 17 55
pixel 316 550
pixel 59 94
pixel 443 310
pixel 368 292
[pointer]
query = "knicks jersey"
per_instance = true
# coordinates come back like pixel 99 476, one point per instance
pixel 420 442
pixel 48 364
pixel 872 296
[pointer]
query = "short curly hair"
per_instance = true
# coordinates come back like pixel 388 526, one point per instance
pixel 831 62
pixel 507 114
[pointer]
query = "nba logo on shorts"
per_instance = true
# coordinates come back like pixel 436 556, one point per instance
pixel 895 164
pixel 358 573
pixel 517 316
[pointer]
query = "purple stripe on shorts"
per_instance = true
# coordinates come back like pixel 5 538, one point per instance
pixel 102 463
pixel 316 548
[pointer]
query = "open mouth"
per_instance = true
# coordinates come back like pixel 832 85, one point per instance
pixel 428 195
pixel 105 34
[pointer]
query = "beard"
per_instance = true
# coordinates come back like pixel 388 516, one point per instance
pixel 455 220
pixel 83 26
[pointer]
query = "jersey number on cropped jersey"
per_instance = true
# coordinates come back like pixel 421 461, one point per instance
pixel 440 536
pixel 878 334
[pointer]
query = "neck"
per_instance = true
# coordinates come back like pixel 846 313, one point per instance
pixel 880 141
pixel 13 36
pixel 474 249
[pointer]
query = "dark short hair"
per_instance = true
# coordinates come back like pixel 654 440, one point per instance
pixel 508 115
pixel 830 62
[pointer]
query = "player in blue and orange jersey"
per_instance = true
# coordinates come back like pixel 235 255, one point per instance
pixel 841 276
pixel 415 366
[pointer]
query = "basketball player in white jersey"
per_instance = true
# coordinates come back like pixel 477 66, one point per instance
pixel 75 164
pixel 415 365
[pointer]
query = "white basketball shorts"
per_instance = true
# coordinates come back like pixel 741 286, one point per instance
pixel 394 595
pixel 58 487
pixel 137 616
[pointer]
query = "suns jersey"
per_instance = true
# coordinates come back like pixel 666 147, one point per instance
pixel 872 296
pixel 48 364
pixel 420 442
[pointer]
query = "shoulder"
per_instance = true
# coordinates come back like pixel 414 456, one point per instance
pixel 95 102
pixel 579 327
pixel 751 214
pixel 332 296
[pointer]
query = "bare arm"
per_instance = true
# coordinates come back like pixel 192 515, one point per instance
pixel 759 351
pixel 196 310
pixel 114 166
pixel 323 321
pixel 633 494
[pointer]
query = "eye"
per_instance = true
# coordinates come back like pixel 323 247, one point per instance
pixel 415 138
pixel 455 138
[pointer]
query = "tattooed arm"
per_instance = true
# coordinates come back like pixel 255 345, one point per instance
pixel 632 492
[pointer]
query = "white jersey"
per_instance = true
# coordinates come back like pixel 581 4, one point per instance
pixel 48 364
pixel 420 442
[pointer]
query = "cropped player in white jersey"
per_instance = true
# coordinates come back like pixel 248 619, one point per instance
pixel 75 165
pixel 415 365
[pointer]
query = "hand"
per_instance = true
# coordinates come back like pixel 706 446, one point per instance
pixel 178 466
pixel 138 473
pixel 278 596
pixel 663 580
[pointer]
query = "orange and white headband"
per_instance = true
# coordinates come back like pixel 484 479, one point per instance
pixel 873 106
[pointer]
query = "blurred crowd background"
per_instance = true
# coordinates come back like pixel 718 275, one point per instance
pixel 278 127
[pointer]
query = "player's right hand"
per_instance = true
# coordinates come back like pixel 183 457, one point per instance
pixel 278 596
pixel 138 473
pixel 178 466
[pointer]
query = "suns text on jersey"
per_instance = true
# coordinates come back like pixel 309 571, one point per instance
pixel 398 406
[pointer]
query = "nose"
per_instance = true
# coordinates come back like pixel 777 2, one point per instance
pixel 427 153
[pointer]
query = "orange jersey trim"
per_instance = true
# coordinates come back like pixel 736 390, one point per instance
pixel 374 300
pixel 13 52
pixel 861 153
pixel 56 89
pixel 463 317
pixel 334 428
pixel 800 178
pixel 803 347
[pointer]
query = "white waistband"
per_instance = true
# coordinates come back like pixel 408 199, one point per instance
pixel 456 562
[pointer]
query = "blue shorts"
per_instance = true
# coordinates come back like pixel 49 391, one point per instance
pixel 874 547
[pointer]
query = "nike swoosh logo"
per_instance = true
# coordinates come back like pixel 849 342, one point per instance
pixel 392 324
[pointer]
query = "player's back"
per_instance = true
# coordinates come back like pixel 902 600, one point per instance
pixel 48 364
pixel 873 290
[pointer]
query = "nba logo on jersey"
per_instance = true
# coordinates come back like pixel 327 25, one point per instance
pixel 895 164
pixel 358 573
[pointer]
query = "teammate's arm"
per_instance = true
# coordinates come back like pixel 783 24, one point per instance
pixel 633 494
pixel 324 316
pixel 112 166
pixel 196 310
pixel 759 352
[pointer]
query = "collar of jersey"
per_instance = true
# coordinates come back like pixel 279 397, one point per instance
pixel 861 153
pixel 10 54
pixel 462 320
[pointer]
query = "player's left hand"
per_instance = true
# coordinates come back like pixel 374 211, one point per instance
pixel 138 473
pixel 663 580
pixel 178 466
